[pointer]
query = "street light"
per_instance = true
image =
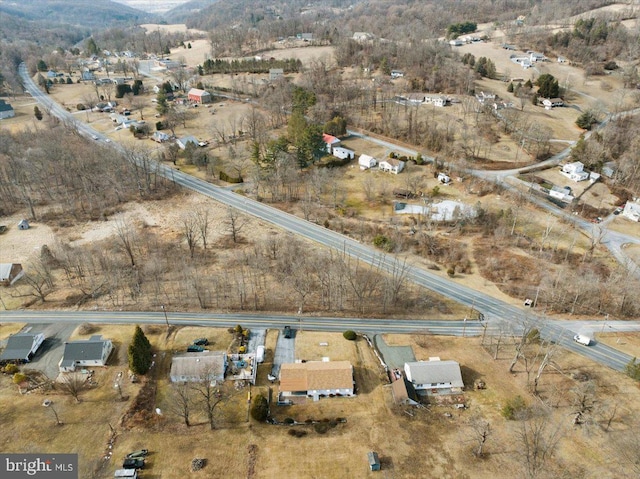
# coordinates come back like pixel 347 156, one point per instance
pixel 165 314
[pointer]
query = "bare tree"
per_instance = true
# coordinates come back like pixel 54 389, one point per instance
pixel 480 430
pixel 235 222
pixel 74 384
pixel 201 217
pixel 127 237
pixel 40 279
pixel 537 439
pixel 210 398
pixel 190 233
pixel 182 402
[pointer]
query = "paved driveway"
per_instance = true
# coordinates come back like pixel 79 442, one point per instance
pixel 394 356
pixel 285 352
pixel 50 353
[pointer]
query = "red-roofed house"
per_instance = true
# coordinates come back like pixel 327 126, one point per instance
pixel 330 141
pixel 199 96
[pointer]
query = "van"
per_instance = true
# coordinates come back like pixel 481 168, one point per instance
pixel 582 339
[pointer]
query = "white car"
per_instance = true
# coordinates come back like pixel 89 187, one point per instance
pixel 582 339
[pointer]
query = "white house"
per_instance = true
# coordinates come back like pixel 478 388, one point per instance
pixel 94 351
pixel 330 141
pixel 439 100
pixel 561 193
pixel 575 171
pixel 444 178
pixel 22 347
pixel 632 210
pixel 392 165
pixel 434 377
pixel 363 36
pixel 184 141
pixel 550 103
pixel 456 42
pixel 196 367
pixel 366 162
pixel 343 153
pixel 316 379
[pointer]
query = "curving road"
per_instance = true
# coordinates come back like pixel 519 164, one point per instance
pixel 496 311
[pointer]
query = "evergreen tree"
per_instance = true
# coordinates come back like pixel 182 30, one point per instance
pixel 42 66
pixel 548 86
pixel 139 352
pixel 162 106
pixel 37 113
pixel 91 47
pixel 510 87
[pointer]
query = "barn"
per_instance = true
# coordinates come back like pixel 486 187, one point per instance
pixel 199 96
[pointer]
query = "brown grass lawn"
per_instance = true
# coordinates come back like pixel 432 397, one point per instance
pixel 7 329
pixel 626 342
pixel 408 441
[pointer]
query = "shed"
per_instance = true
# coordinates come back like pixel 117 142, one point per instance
pixel 10 273
pixel 6 110
pixel 23 225
pixel 366 162
pixel 275 73
pixel 374 461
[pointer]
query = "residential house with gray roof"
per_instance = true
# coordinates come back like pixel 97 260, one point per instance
pixel 94 351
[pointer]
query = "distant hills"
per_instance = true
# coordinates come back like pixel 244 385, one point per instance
pixel 153 6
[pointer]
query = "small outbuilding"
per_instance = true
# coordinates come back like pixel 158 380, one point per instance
pixel 10 273
pixel 6 110
pixel 23 225
pixel 374 461
pixel 366 162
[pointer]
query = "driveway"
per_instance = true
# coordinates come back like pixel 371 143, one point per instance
pixel 394 356
pixel 50 353
pixel 284 353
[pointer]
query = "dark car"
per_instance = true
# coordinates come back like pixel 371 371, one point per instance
pixel 133 463
pixel 138 454
pixel 201 341
pixel 195 349
pixel 287 332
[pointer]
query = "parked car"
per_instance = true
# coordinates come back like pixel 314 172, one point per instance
pixel 287 332
pixel 194 349
pixel 528 302
pixel 133 463
pixel 201 341
pixel 138 454
pixel 618 210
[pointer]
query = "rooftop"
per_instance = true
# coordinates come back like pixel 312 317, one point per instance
pixel 316 375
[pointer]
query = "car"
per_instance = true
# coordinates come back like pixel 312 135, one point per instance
pixel 138 454
pixel 107 140
pixel 528 302
pixel 618 210
pixel 582 339
pixel 287 332
pixel 194 349
pixel 94 137
pixel 201 342
pixel 133 463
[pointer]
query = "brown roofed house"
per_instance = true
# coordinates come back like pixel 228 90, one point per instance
pixel 316 379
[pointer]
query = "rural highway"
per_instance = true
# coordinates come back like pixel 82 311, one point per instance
pixel 495 310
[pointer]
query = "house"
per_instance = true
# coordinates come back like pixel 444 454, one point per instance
pixel 437 100
pixel 307 37
pixel 537 57
pixel 330 142
pixel 343 153
pixel 444 178
pixel 561 193
pixel 87 76
pixel 167 64
pixel 483 97
pixel 609 169
pixel 23 224
pixel 362 36
pixel 397 74
pixel 94 351
pixel 275 73
pixel 434 377
pixel 374 461
pixel 392 165
pixel 550 103
pixel 575 171
pixel 456 43
pixel 22 347
pixel 199 96
pixel 562 60
pixel 6 110
pixel 632 210
pixel 366 162
pixel 404 392
pixel 195 367
pixel 316 379
pixel 10 273
pixel 185 140
pixel 160 137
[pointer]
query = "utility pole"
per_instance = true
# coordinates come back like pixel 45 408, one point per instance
pixel 165 315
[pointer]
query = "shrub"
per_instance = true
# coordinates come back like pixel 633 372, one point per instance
pixel 288 420
pixel 383 242
pixel 350 335
pixel 159 125
pixel 87 328
pixel 633 369
pixel 451 272
pixel 10 369
pixel 122 90
pixel 513 407
pixel 259 408
pixel 321 427
pixel 80 107
pixel 19 378
pixel 586 120
pixel 297 432
pixel 230 179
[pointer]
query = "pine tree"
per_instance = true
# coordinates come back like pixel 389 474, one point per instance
pixel 139 353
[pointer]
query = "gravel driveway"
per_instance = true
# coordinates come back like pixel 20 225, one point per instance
pixel 284 353
pixel 394 356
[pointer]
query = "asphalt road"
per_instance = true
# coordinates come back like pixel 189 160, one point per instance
pixel 555 330
pixel 495 311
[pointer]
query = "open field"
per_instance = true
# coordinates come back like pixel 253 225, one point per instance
pixel 407 440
